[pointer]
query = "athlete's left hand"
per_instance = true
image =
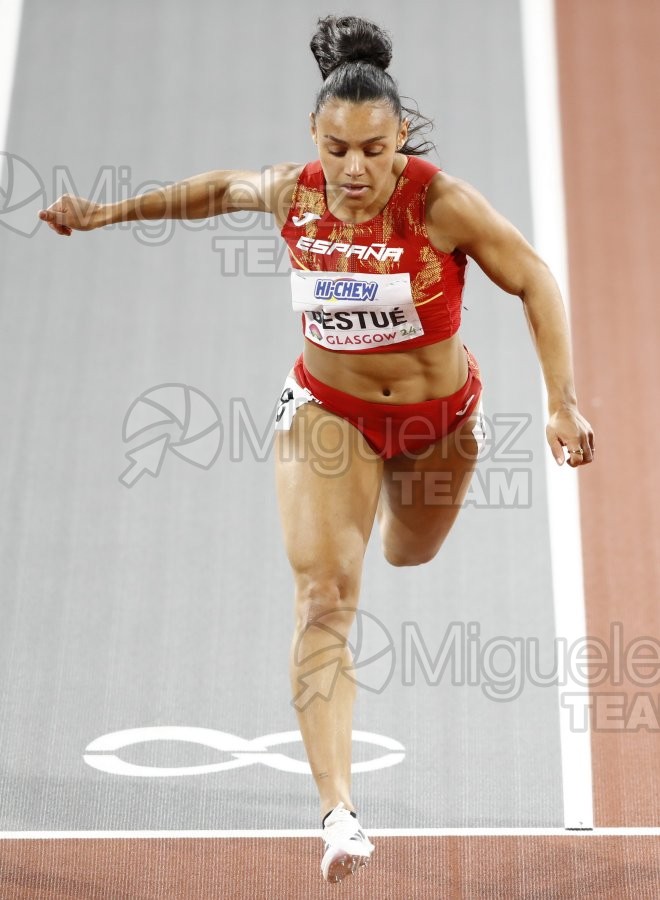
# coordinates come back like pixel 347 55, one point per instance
pixel 568 428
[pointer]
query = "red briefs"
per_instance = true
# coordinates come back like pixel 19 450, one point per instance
pixel 389 428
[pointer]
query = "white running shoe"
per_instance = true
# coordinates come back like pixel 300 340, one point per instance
pixel 346 846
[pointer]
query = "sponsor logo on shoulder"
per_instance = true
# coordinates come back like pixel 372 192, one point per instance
pixel 299 221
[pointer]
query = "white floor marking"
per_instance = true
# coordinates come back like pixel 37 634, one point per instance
pixel 10 17
pixel 316 832
pixel 547 190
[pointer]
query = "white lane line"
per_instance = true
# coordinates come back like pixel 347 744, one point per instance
pixel 315 832
pixel 10 17
pixel 547 190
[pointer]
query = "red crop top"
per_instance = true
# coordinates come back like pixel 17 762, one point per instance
pixel 393 241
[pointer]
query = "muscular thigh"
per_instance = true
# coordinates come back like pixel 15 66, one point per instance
pixel 328 483
pixel 422 494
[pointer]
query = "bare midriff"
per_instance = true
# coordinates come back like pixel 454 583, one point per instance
pixel 404 376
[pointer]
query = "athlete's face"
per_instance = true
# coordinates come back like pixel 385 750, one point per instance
pixel 357 144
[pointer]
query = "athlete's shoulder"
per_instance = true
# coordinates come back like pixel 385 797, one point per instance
pixel 460 213
pixel 420 170
pixel 312 172
pixel 450 197
pixel 279 182
pixel 286 172
pixel 285 176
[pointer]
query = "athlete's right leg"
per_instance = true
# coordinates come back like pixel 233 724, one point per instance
pixel 328 483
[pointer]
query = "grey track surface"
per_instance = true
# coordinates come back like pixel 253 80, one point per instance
pixel 170 602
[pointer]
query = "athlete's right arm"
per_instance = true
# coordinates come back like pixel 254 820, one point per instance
pixel 199 197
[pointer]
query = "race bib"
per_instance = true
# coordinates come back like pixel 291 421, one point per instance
pixel 351 311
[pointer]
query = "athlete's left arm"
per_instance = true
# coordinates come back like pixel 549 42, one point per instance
pixel 460 217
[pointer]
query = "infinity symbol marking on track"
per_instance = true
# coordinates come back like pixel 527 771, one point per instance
pixel 100 753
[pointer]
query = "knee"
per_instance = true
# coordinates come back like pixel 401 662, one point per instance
pixel 413 556
pixel 328 600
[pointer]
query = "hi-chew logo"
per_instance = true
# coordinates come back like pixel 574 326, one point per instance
pixel 345 289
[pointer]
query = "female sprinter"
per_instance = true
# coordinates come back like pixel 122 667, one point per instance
pixel 378 240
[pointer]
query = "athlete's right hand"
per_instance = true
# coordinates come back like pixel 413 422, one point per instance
pixel 70 213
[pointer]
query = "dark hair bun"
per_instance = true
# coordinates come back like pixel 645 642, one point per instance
pixel 342 39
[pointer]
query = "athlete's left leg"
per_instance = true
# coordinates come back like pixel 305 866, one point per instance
pixel 421 495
